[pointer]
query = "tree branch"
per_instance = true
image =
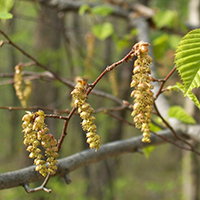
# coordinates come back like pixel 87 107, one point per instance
pixel 66 165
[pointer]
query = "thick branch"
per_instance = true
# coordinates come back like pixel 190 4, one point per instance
pixel 71 163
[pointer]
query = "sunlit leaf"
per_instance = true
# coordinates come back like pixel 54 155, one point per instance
pixel 180 114
pixel 103 10
pixel 4 15
pixel 190 95
pixel 147 151
pixel 6 6
pixel 154 128
pixel 102 31
pixel 83 9
pixel 187 59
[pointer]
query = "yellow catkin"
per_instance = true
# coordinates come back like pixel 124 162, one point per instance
pixel 22 94
pixel 142 94
pixel 36 135
pixel 86 113
pixel 113 81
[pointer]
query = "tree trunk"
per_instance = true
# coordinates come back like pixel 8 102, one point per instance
pixel 47 42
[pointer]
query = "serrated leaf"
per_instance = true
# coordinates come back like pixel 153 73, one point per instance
pixel 180 114
pixel 103 10
pixel 147 151
pixel 83 9
pixel 4 15
pixel 187 59
pixel 102 31
pixel 190 95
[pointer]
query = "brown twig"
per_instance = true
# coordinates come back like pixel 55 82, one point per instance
pixel 163 81
pixel 64 132
pixel 109 68
pixel 35 61
pixel 170 141
pixel 55 111
pixel 42 187
pixel 120 119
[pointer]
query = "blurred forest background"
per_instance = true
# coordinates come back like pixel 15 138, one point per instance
pixel 82 43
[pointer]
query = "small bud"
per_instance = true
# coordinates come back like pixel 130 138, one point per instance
pixel 144 49
pixel 26 118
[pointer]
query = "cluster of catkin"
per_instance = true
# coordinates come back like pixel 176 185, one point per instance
pixel 35 137
pixel 143 96
pixel 86 114
pixel 22 94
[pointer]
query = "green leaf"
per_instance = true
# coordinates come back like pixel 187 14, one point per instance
pixel 4 15
pixel 174 40
pixel 187 59
pixel 83 9
pixel 180 114
pixel 190 95
pixel 165 18
pixel 102 31
pixel 6 6
pixel 154 128
pixel 160 45
pixel 147 151
pixel 102 10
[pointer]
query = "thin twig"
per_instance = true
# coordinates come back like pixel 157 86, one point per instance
pixel 174 132
pixel 109 68
pixel 163 81
pixel 64 132
pixel 55 111
pixel 170 141
pixel 120 119
pixel 41 187
pixel 31 57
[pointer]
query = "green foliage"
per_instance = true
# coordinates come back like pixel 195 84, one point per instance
pixel 165 18
pixel 103 31
pixel 102 10
pixel 190 95
pixel 160 44
pixel 180 114
pixel 84 8
pixel 4 15
pixel 164 42
pixel 147 151
pixel 5 7
pixel 126 40
pixel 187 59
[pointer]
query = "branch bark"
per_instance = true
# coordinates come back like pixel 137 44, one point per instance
pixel 71 163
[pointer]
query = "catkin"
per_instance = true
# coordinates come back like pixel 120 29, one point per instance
pixel 142 94
pixel 35 136
pixel 86 113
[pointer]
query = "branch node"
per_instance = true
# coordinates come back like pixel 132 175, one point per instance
pixel 139 151
pixel 67 178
